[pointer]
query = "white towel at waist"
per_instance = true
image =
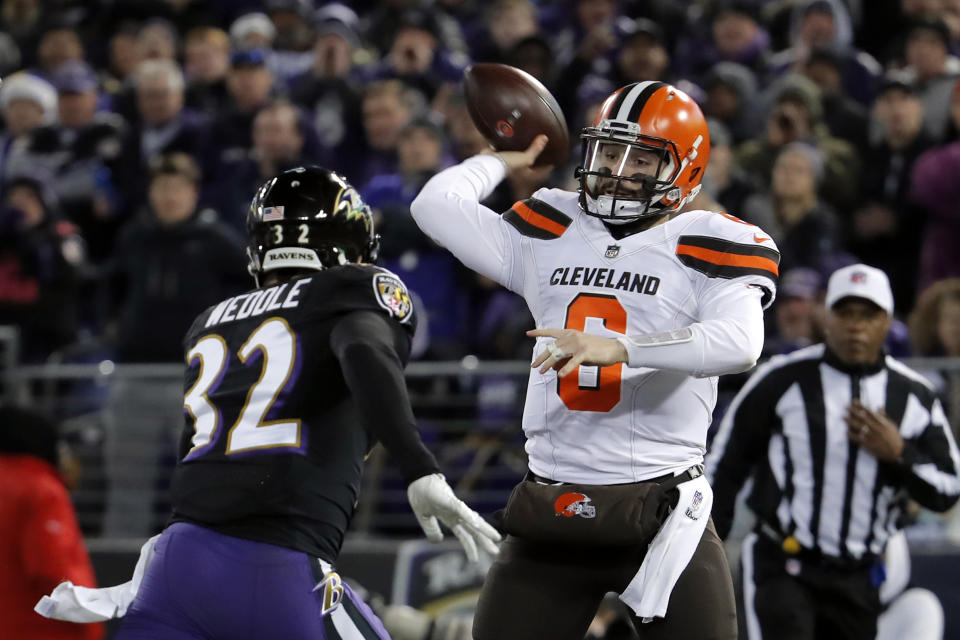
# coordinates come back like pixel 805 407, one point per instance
pixel 670 551
pixel 83 604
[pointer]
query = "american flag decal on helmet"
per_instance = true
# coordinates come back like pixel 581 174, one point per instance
pixel 272 213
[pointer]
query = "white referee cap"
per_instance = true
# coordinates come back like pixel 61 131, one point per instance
pixel 860 281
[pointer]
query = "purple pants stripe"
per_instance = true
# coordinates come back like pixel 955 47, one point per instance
pixel 203 585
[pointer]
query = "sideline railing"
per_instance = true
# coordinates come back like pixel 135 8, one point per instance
pixel 468 412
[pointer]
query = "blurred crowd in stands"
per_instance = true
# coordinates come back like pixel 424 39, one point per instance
pixel 135 133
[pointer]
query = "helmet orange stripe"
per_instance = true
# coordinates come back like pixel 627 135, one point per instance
pixel 725 259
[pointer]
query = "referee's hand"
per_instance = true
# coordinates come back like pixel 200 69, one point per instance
pixel 874 431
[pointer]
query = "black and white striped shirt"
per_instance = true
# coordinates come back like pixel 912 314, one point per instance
pixel 786 427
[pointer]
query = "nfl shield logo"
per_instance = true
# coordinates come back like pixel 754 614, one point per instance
pixel 858 276
pixel 693 511
pixel 612 251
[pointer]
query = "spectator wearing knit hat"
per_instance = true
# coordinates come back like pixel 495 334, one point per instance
pixel 805 229
pixel 731 96
pixel 797 116
pixel 844 117
pixel 27 102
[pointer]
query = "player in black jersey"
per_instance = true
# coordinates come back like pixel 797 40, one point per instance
pixel 287 389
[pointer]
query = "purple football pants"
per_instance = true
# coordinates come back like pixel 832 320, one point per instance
pixel 203 585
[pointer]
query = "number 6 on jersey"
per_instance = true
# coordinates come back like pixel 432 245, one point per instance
pixel 603 393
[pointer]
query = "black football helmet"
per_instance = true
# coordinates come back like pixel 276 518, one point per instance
pixel 308 218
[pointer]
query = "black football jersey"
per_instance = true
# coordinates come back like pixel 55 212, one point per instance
pixel 272 449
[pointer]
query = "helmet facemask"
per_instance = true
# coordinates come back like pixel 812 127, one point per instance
pixel 625 176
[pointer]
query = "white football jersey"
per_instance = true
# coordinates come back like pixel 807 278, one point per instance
pixel 613 424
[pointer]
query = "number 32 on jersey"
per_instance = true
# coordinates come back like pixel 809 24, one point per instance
pixel 593 388
pixel 276 344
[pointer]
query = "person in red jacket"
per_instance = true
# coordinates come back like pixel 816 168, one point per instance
pixel 40 540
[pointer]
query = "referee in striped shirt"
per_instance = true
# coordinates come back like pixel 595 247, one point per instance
pixel 833 436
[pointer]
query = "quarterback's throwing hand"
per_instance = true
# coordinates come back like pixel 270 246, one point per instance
pixel 432 499
pixel 571 348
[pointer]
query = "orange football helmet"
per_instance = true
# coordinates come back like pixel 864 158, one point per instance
pixel 645 153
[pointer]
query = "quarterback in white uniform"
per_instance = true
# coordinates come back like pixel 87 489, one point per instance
pixel 638 307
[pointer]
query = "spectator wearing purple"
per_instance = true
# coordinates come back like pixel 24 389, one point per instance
pixel 250 83
pixel 936 189
pixel 430 272
pixel 797 312
pixel 84 153
pixel 731 33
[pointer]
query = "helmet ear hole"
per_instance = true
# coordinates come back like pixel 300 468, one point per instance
pixel 694 174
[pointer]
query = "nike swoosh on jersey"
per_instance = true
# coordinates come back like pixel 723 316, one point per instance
pixel 757 238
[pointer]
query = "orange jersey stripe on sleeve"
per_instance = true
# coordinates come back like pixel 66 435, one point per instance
pixel 725 259
pixel 537 220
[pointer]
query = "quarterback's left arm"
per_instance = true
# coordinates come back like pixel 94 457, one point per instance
pixel 728 340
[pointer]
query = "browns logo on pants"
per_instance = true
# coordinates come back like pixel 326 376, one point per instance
pixel 536 591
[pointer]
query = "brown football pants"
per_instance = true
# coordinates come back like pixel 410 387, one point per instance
pixel 535 591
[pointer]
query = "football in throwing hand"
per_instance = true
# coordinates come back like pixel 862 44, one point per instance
pixel 510 108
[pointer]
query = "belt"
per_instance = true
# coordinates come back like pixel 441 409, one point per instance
pixel 790 546
pixel 667 481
